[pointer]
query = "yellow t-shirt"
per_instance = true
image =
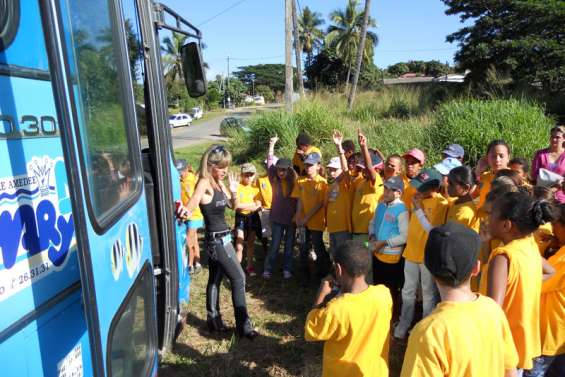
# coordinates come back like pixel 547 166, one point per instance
pixel 247 195
pixel 464 339
pixel 464 213
pixel 188 184
pixel 408 193
pixel 365 201
pixel 311 192
pixel 435 209
pixel 543 232
pixel 297 161
pixel 522 300
pixel 552 309
pixel 485 183
pixel 355 328
pixel 338 210
pixel 265 191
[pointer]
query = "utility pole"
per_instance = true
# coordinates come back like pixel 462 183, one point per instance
pixel 228 83
pixel 360 51
pixel 297 50
pixel 288 87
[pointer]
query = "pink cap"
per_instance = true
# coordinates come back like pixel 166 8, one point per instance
pixel 417 154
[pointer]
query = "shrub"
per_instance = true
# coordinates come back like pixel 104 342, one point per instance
pixel 474 123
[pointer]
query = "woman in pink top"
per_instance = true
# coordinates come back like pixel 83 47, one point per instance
pixel 551 158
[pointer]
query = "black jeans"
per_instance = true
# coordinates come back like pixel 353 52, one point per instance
pixel 223 261
pixel 322 264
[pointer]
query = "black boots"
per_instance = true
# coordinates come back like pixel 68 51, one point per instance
pixel 217 325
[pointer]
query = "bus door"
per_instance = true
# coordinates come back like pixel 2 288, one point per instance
pixel 89 50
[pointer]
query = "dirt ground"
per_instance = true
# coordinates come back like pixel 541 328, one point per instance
pixel 278 309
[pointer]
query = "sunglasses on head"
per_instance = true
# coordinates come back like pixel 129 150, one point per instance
pixel 218 149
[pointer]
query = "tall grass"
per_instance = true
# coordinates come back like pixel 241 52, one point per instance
pixel 398 119
pixel 474 123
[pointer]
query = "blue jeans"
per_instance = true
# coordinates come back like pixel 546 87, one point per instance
pixel 277 233
pixel 547 366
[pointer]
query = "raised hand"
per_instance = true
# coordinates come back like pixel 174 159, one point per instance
pixel 337 137
pixel 361 138
pixel 273 140
pixel 233 179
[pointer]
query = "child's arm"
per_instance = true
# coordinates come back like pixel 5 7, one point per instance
pixel 338 139
pixel 547 269
pixel 497 278
pixel 367 156
pixel 298 219
pixel 271 153
pixel 510 373
pixel 318 206
pixel 420 214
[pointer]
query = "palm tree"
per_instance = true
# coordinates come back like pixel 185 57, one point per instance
pixel 345 34
pixel 310 34
pixel 172 60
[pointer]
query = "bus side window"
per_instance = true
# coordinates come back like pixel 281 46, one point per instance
pixel 105 110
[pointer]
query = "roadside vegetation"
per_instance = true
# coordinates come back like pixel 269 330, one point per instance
pixel 399 118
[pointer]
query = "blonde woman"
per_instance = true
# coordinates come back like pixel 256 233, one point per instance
pixel 213 196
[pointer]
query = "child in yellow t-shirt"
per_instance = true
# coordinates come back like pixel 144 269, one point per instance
pixel 414 161
pixel 467 334
pixel 310 192
pixel 196 221
pixel 304 148
pixel 515 269
pixel 430 208
pixel 355 324
pixel 338 211
pixel 463 210
pixel 367 189
pixel 551 363
pixel 498 155
pixel 247 222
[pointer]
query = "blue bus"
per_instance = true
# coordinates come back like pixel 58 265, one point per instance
pixel 93 274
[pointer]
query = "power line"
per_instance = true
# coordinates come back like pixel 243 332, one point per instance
pixel 299 7
pixel 259 58
pixel 222 12
pixel 419 50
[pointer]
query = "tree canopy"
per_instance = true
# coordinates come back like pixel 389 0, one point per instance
pixel 521 39
pixel 271 75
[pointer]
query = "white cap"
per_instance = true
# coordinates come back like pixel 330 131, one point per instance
pixel 548 178
pixel 334 163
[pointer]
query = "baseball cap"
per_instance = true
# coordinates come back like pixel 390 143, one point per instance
pixel 447 164
pixel 394 183
pixel 417 154
pixel 181 165
pixel 313 158
pixel 428 178
pixel 547 178
pixel 454 150
pixel 334 163
pixel 451 252
pixel 375 160
pixel 248 167
pixel 283 163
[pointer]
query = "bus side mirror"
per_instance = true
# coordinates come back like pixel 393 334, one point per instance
pixel 194 77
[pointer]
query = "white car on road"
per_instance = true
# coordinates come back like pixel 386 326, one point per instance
pixel 179 120
pixel 196 113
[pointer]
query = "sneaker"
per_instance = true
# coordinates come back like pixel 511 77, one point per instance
pixel 266 275
pixel 312 255
pixel 287 274
pixel 251 272
pixel 197 268
pixel 190 270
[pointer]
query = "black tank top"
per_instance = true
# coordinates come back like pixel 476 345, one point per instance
pixel 214 213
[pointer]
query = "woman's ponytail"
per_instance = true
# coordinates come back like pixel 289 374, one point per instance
pixel 542 212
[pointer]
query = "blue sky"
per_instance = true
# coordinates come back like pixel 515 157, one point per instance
pixel 252 31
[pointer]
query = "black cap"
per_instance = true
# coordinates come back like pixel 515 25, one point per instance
pixel 283 163
pixel 451 253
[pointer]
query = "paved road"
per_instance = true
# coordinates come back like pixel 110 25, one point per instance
pixel 209 130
